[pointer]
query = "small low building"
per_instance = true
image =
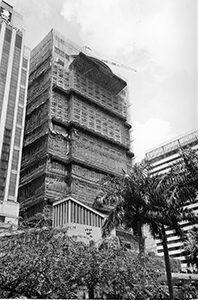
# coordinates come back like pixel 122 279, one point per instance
pixel 86 223
pixel 80 219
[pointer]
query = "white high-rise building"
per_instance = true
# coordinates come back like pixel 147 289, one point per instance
pixel 14 68
pixel 161 158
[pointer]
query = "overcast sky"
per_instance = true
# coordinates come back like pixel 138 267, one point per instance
pixel 159 38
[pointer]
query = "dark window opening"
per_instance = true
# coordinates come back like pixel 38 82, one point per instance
pixel 8 35
pixel 18 41
pixel 2 219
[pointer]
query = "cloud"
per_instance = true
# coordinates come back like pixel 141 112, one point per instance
pixel 99 23
pixel 158 38
pixel 151 134
pixel 111 25
pixel 128 27
pixel 35 9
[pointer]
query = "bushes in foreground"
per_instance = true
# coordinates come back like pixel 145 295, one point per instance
pixel 46 263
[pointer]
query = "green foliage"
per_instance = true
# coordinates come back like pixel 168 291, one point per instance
pixel 191 248
pixel 190 159
pixel 34 264
pixel 42 262
pixel 186 291
pixel 139 198
pixel 159 201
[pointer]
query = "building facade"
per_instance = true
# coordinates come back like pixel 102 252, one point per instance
pixel 76 127
pixel 79 219
pixel 85 223
pixel 14 65
pixel 161 159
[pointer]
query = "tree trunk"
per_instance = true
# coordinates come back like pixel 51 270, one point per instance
pixel 141 243
pixel 91 293
pixel 142 248
pixel 167 264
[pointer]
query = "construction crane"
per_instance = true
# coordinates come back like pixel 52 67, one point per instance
pixel 109 61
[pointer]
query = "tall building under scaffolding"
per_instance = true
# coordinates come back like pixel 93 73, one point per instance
pixel 76 126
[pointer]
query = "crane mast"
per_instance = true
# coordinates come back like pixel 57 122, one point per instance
pixel 111 62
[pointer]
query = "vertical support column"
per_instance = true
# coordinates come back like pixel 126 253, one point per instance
pixel 6 91
pixel 54 216
pixel 64 213
pixel 58 215
pixel 26 54
pixel 2 34
pixel 69 212
pixel 61 214
pixel 76 213
pixel 14 130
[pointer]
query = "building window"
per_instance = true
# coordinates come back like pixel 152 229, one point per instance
pixel 25 63
pixel 22 95
pixel 3 68
pixel 23 77
pixel 2 219
pixel 8 35
pixel 20 115
pixel 15 159
pixel 17 140
pixel 18 41
pixel 12 186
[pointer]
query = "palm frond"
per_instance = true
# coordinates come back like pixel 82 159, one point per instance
pixel 111 192
pixel 114 219
pixel 191 247
pixel 190 158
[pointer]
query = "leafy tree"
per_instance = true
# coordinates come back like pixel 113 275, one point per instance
pixel 186 291
pixel 38 263
pixel 118 278
pixel 42 262
pixel 155 200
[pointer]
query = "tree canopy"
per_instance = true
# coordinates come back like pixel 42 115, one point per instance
pixel 43 262
pixel 157 200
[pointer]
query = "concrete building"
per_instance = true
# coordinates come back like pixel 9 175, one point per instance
pixel 14 65
pixel 76 126
pixel 86 223
pixel 80 219
pixel 161 158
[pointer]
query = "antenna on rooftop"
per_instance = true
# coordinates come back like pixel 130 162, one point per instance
pixel 109 61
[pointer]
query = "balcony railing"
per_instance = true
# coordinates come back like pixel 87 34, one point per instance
pixel 188 139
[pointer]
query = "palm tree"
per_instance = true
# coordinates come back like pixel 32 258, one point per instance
pixel 157 201
pixel 168 195
pixel 190 159
pixel 128 196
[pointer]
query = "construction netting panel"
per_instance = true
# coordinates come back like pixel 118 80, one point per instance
pixel 41 52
